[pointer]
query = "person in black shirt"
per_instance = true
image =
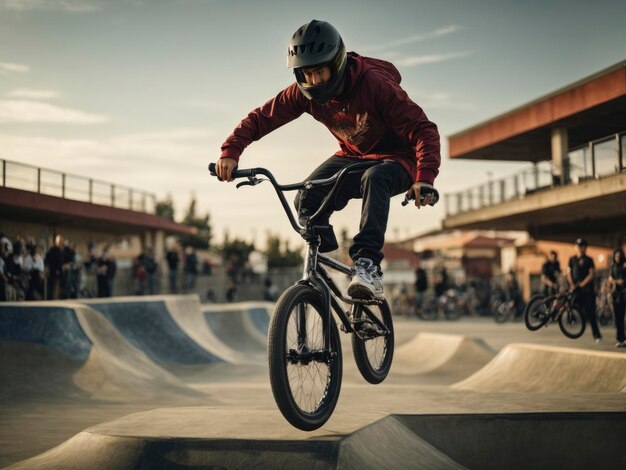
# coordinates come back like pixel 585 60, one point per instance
pixel 421 284
pixel 617 281
pixel 550 272
pixel 54 264
pixel 173 259
pixel 580 274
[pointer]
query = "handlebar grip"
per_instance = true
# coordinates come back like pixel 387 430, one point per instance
pixel 236 173
pixel 424 191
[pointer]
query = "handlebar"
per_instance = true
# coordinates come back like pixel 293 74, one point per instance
pixel 251 174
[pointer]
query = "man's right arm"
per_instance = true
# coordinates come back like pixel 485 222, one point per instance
pixel 288 105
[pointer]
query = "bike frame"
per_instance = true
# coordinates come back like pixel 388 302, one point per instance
pixel 315 275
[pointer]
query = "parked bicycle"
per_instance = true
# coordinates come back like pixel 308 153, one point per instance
pixel 305 357
pixel 556 308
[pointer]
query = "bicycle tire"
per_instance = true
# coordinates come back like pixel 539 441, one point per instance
pixel 373 365
pixel 572 323
pixel 502 313
pixel 281 367
pixel 536 303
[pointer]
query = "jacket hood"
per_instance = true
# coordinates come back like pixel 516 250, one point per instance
pixel 360 65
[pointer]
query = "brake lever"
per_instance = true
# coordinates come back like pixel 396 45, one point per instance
pixel 252 181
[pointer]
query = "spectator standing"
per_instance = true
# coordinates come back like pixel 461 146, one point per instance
pixel 102 275
pixel 151 266
pixel 580 275
pixel 190 268
pixel 550 273
pixel 37 274
pixel 421 285
pixel 172 259
pixel 66 271
pixel 3 276
pixel 54 264
pixel 617 281
pixel 231 292
pixel 139 273
pixel 111 271
pixel 270 293
pixel 441 282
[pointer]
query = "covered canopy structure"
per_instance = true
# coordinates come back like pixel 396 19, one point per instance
pixel 575 137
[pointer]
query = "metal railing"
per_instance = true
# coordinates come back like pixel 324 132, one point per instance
pixel 593 160
pixel 77 188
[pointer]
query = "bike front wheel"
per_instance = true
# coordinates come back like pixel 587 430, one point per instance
pixel 537 312
pixel 304 358
pixel 572 323
pixel 372 341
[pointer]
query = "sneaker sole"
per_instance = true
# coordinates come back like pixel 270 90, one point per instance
pixel 358 291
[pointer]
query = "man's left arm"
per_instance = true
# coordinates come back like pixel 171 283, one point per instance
pixel 408 120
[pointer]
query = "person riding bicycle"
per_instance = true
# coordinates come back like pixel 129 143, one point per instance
pixel 580 275
pixel 550 273
pixel 360 101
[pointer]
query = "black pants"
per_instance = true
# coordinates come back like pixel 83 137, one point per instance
pixel 587 302
pixel 375 185
pixel 618 310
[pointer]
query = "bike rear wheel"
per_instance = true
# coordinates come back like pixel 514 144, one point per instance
pixel 572 323
pixel 372 346
pixel 537 312
pixel 305 366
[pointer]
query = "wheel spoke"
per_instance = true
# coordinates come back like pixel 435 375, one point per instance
pixel 309 380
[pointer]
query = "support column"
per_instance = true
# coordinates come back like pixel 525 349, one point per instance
pixel 147 241
pixel 159 244
pixel 560 161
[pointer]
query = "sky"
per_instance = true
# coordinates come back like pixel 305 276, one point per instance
pixel 143 93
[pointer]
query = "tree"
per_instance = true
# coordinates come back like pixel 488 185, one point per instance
pixel 166 208
pixel 236 252
pixel 279 257
pixel 202 238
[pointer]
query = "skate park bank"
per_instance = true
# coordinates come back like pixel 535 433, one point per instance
pixel 166 382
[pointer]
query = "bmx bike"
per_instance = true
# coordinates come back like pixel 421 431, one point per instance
pixel 559 308
pixel 304 351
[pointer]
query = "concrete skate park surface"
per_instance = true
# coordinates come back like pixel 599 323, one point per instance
pixel 164 382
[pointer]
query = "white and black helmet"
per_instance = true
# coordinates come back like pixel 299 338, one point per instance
pixel 315 44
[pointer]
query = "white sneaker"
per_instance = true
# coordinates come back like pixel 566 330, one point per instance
pixel 620 344
pixel 598 340
pixel 367 282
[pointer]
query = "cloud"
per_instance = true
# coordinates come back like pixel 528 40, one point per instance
pixel 440 100
pixel 413 61
pixel 10 67
pixel 415 38
pixel 23 111
pixel 205 105
pixel 33 94
pixel 71 6
pixel 176 147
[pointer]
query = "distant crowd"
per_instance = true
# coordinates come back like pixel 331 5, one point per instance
pixel 27 274
pixel 62 272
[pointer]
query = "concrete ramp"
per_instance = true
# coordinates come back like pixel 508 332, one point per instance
pixel 147 324
pixel 451 356
pixel 239 327
pixel 83 351
pixel 201 323
pixel 538 368
pixel 162 439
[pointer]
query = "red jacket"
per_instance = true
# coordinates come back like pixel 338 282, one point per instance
pixel 373 119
